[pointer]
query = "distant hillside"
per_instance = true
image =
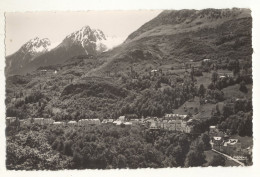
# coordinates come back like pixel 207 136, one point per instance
pixel 177 36
pixel 26 54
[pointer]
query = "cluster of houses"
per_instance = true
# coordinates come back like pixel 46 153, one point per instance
pixel 219 139
pixel 222 142
pixel 171 122
pixel 14 121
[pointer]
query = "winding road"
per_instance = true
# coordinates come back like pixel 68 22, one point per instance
pixel 229 157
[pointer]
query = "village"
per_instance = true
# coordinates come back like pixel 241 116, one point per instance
pixel 220 141
pixel 170 122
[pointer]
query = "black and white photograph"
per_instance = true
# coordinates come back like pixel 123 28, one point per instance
pixel 128 89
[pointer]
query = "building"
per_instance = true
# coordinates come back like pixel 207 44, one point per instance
pixel 95 122
pixel 83 122
pixel 217 142
pixel 38 121
pixel 43 71
pixel 58 123
pixel 206 60
pixel 135 121
pixel 154 126
pixel 128 123
pixel 187 129
pixel 213 131
pixel 110 121
pixel 117 122
pixel 175 116
pixel 171 116
pixel 72 122
pixel 48 121
pixel 103 122
pixel 121 118
pixel 11 121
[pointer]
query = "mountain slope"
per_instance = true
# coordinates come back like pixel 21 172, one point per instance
pixel 26 54
pixel 183 35
pixel 124 82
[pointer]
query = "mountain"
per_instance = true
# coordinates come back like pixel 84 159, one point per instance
pixel 84 41
pixel 178 36
pixel 91 40
pixel 145 75
pixel 26 54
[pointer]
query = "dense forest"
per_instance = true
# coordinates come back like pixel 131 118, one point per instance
pixel 102 147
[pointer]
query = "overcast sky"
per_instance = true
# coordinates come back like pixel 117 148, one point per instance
pixel 21 27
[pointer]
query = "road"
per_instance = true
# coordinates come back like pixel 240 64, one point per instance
pixel 231 158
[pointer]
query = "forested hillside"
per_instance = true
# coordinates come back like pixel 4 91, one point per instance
pixel 192 62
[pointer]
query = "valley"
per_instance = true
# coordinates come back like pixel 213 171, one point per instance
pixel 196 63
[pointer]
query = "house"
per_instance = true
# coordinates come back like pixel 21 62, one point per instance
pixel 103 122
pixel 83 122
pixel 183 117
pixel 72 122
pixel 232 141
pixel 128 123
pixel 212 127
pixel 48 121
pixel 117 122
pixel 183 124
pixel 106 121
pixel 135 121
pixel 121 118
pixel 11 121
pixel 213 131
pixel 206 60
pixel 217 141
pixel 187 129
pixel 164 124
pixel 58 123
pixel 38 121
pixel 95 122
pixel 25 121
pixel 153 126
pixel 171 115
pixel 175 116
pixel 110 121
pixel 43 71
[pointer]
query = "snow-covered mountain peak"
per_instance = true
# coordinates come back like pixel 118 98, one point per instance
pixel 89 39
pixel 87 34
pixel 36 45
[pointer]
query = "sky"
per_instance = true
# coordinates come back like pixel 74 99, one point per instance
pixel 23 26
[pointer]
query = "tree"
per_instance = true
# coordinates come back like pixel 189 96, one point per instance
pixel 206 139
pixel 217 160
pixel 243 87
pixel 121 161
pixel 236 68
pixel 214 77
pixel 194 159
pixel 202 90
